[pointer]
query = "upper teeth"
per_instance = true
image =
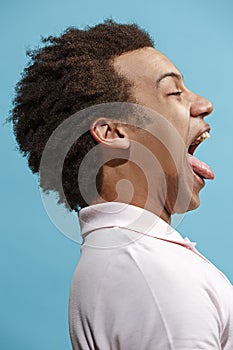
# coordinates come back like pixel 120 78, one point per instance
pixel 205 135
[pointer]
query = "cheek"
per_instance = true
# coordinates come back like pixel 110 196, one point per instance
pixel 179 117
pixel 175 112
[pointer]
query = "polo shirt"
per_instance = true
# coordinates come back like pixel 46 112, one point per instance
pixel 140 286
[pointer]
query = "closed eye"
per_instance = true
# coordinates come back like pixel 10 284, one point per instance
pixel 176 93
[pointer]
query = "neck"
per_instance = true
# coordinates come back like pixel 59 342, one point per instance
pixel 131 187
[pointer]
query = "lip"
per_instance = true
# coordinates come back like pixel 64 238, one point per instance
pixel 199 179
pixel 190 148
pixel 205 128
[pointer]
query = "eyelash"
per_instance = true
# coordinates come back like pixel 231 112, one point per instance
pixel 177 93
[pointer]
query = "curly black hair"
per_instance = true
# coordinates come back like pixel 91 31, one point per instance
pixel 69 73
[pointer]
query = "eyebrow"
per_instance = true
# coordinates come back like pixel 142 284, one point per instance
pixel 170 74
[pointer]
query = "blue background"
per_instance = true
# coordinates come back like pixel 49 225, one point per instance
pixel 37 261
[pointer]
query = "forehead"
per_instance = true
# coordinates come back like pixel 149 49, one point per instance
pixel 142 63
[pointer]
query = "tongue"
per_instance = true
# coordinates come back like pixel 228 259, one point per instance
pixel 200 168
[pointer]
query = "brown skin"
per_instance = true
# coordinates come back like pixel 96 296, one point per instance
pixel 185 112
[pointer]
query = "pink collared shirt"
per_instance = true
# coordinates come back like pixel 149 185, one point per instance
pixel 140 286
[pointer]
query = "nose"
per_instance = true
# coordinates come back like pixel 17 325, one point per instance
pixel 200 106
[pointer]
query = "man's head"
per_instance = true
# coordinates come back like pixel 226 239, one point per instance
pixel 106 63
pixel 70 73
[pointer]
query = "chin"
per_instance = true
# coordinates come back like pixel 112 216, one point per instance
pixel 191 202
pixel 183 196
pixel 194 204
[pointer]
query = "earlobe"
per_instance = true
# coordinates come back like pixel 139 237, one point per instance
pixel 109 134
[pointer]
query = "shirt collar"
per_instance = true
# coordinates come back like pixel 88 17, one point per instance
pixel 115 214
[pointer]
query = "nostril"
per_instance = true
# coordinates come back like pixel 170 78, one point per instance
pixel 204 114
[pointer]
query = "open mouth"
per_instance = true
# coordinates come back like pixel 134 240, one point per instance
pixel 200 169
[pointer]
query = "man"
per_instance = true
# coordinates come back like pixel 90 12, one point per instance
pixel 138 284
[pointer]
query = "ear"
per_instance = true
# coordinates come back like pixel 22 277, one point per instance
pixel 110 134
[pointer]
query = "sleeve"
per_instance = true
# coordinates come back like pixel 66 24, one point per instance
pixel 148 309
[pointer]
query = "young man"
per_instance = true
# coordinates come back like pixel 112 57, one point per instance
pixel 138 284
